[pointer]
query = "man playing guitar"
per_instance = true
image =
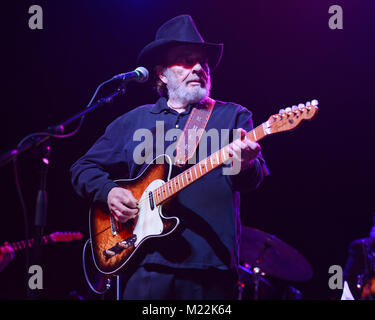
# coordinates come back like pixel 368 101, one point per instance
pixel 199 261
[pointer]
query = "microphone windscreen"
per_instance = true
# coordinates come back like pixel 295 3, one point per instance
pixel 144 72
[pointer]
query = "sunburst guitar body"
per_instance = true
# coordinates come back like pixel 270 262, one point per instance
pixel 114 244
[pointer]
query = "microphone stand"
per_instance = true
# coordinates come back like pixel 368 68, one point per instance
pixel 43 139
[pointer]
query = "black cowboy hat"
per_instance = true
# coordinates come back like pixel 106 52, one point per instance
pixel 177 31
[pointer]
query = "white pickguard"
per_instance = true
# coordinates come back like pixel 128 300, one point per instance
pixel 149 221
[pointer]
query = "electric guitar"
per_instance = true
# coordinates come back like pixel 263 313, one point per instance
pixel 53 237
pixel 114 244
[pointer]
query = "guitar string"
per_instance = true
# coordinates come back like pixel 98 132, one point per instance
pixel 143 201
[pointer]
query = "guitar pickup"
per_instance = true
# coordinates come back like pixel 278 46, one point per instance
pixel 151 198
pixel 128 242
pixel 125 244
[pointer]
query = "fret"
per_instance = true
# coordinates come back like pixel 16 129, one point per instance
pixel 166 193
pixel 214 161
pixel 173 189
pixel 156 195
pixel 187 176
pixel 223 154
pixel 171 183
pixel 201 166
pixel 159 195
pixel 258 133
pixel 166 189
pixel 169 187
pixel 210 162
pixel 190 175
pixel 265 126
pixel 162 192
pixel 176 184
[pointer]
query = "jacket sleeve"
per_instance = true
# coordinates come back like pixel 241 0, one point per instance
pixel 92 175
pixel 252 177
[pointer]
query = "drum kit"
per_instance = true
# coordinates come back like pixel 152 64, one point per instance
pixel 264 256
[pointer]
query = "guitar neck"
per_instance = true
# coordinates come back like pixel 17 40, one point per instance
pixel 189 176
pixel 21 245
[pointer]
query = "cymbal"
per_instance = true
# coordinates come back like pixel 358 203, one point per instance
pixel 273 256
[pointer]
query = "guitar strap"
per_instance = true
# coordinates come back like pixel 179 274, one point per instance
pixel 193 131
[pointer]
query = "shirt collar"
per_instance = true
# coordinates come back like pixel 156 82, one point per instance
pixel 161 105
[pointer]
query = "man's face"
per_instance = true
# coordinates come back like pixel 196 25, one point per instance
pixel 187 74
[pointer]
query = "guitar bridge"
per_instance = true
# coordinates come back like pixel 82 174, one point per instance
pixel 125 244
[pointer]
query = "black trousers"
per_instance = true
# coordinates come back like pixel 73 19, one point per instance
pixel 157 282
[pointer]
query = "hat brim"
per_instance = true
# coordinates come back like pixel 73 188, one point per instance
pixel 151 55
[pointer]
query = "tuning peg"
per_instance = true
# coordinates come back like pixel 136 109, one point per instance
pixel 314 102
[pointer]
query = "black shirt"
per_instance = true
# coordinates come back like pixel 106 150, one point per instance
pixel 208 209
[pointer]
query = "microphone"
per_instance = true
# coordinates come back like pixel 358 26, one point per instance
pixel 140 75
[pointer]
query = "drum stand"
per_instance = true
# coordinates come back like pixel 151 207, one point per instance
pixel 256 275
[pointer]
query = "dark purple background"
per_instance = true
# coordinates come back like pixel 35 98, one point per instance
pixel 277 53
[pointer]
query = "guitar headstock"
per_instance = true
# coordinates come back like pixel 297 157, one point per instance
pixel 289 118
pixel 65 236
